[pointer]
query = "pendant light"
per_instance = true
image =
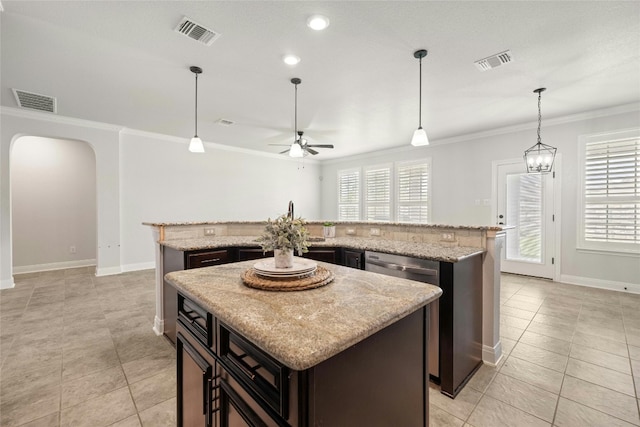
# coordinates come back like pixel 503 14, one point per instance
pixel 420 136
pixel 195 145
pixel 540 157
pixel 296 147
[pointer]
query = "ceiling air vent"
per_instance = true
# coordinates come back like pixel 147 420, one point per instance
pixel 192 29
pixel 224 122
pixel 35 101
pixel 494 61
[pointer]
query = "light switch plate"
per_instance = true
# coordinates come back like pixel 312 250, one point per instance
pixel 209 231
pixel 351 231
pixel 374 232
pixel 448 237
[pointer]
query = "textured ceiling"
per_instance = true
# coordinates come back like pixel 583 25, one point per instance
pixel 122 63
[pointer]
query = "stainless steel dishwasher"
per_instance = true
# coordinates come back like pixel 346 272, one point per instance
pixel 420 270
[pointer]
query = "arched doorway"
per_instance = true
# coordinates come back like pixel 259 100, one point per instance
pixel 53 204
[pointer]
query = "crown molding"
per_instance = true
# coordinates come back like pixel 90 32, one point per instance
pixel 50 117
pixel 589 115
pixel 223 147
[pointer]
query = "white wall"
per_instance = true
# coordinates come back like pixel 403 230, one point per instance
pixel 53 201
pixel 161 181
pixel 104 141
pixel 462 169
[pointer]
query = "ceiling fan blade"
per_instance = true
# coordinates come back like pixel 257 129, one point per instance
pixel 312 151
pixel 285 151
pixel 320 145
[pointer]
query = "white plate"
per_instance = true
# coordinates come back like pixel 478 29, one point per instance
pixel 300 265
pixel 285 275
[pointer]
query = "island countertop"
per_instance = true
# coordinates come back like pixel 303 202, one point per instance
pixel 417 250
pixel 304 328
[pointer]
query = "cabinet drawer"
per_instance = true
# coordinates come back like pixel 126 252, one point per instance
pixel 207 258
pixel 245 254
pixel 197 320
pixel 257 372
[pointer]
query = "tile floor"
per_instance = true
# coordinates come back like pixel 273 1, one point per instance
pixel 571 359
pixel 78 350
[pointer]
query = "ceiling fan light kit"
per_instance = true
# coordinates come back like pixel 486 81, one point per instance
pixel 540 157
pixel 196 145
pixel 420 135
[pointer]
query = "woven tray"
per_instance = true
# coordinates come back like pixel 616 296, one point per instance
pixel 320 277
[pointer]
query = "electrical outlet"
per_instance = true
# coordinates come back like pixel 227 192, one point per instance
pixel 374 232
pixel 351 231
pixel 448 237
pixel 72 249
pixel 486 202
pixel 209 231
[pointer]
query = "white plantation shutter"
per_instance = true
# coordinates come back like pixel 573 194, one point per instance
pixel 349 195
pixel 377 195
pixel 413 192
pixel 611 191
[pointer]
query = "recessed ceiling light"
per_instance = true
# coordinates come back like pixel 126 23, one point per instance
pixel 291 59
pixel 318 22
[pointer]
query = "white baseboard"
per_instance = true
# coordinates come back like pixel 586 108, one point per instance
pixel 108 271
pixel 633 288
pixel 53 266
pixel 158 326
pixel 7 284
pixel 492 355
pixel 137 267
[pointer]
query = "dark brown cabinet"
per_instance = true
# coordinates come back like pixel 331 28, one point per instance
pixel 225 380
pixel 353 259
pixel 331 255
pixel 175 260
pixel 246 254
pixel 197 385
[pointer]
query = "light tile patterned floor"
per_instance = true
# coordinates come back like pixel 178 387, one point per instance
pixel 571 359
pixel 78 350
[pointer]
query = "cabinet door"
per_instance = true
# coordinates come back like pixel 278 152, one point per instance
pixel 207 258
pixel 353 259
pixel 323 254
pixel 195 386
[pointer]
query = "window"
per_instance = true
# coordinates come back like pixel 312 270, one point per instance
pixel 413 192
pixel 349 195
pixel 377 193
pixel 392 192
pixel 610 192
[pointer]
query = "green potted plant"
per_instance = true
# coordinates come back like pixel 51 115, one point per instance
pixel 283 235
pixel 329 229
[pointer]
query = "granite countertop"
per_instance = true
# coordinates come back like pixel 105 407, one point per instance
pixel 354 223
pixel 416 250
pixel 302 329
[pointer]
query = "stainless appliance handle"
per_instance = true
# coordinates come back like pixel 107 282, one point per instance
pixel 407 268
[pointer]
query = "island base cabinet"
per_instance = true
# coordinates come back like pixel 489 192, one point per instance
pixel 380 382
pixel 197 388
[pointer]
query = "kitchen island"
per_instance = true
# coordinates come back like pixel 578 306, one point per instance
pixel 351 353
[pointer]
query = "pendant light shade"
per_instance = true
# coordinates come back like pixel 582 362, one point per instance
pixel 540 157
pixel 420 136
pixel 196 145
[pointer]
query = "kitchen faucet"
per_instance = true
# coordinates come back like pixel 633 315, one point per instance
pixel 290 214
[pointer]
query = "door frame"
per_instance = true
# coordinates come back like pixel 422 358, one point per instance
pixel 557 204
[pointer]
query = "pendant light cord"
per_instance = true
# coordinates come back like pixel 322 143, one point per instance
pixel 295 115
pixel 196 135
pixel 420 98
pixel 539 117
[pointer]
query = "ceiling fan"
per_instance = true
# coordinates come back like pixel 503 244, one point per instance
pixel 300 146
